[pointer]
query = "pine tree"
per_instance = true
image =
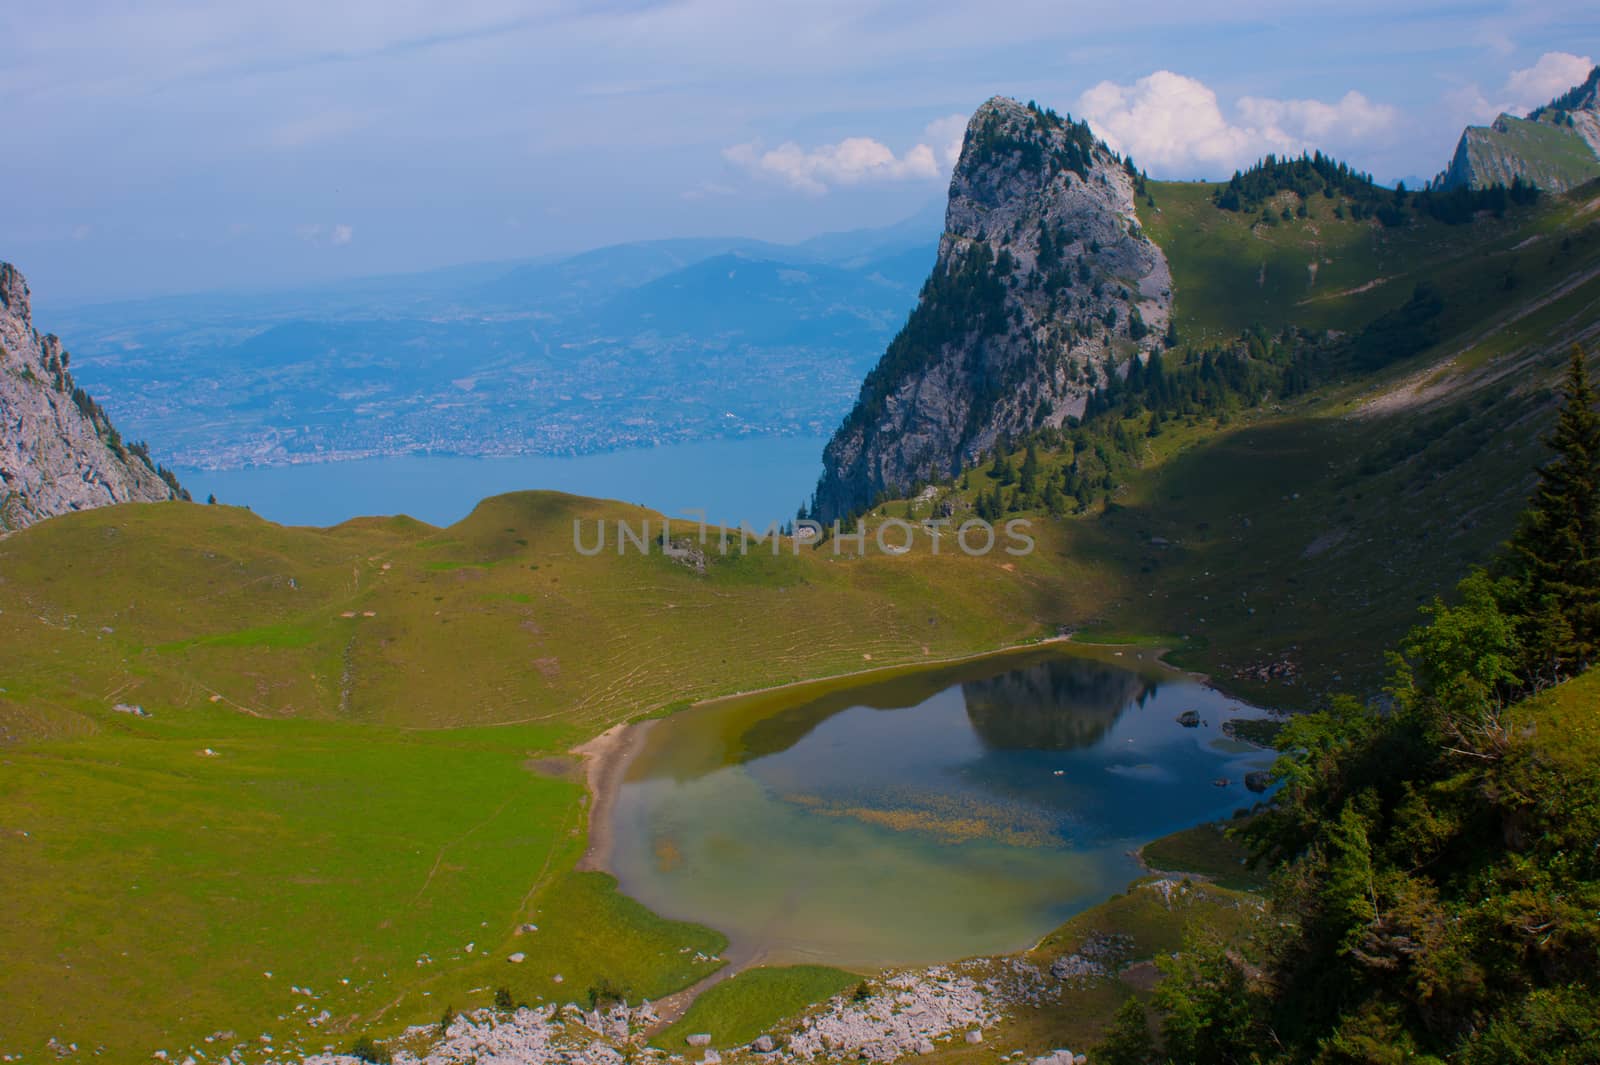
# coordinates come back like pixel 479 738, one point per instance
pixel 1556 549
pixel 1128 1040
pixel 1028 479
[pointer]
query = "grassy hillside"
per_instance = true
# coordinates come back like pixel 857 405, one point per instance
pixel 1326 270
pixel 1295 538
pixel 1543 150
pixel 353 763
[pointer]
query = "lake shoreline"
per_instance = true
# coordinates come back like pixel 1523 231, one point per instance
pixel 605 759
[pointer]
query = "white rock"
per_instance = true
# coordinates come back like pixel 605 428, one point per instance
pixel 975 1037
pixel 699 1039
pixel 517 958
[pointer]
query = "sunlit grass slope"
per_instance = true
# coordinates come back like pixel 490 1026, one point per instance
pixel 353 764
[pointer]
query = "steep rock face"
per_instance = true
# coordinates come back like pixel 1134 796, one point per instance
pixel 1556 147
pixel 1044 286
pixel 58 450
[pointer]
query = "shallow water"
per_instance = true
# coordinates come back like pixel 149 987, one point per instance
pixel 930 816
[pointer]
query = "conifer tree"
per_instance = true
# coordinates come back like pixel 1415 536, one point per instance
pixel 1556 549
pixel 1028 479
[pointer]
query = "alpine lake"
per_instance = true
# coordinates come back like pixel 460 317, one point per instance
pixel 918 816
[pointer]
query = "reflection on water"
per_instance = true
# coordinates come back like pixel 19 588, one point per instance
pixel 1055 705
pixel 942 813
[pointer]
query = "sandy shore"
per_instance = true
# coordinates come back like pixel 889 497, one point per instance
pixel 605 760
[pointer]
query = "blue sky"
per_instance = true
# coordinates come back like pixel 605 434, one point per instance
pixel 159 146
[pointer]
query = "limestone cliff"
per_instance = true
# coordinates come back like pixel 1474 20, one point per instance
pixel 58 450
pixel 1555 147
pixel 1043 287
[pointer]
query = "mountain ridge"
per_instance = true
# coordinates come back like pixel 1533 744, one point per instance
pixel 1555 146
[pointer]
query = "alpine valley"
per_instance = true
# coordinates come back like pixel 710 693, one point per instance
pixel 1192 780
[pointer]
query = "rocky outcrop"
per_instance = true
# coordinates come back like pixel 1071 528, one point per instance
pixel 58 449
pixel 1555 147
pixel 1043 287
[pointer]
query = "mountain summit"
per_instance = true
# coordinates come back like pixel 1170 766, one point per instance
pixel 58 450
pixel 1555 147
pixel 1044 285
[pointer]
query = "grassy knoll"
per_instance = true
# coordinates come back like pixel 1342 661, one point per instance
pixel 1147 925
pixel 345 770
pixel 753 1003
pixel 1207 851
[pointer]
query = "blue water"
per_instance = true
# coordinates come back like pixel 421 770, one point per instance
pixel 959 811
pixel 759 480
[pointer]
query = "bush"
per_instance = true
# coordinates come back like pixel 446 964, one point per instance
pixel 603 993
pixel 366 1049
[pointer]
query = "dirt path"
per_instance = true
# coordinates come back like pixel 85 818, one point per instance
pixel 675 1005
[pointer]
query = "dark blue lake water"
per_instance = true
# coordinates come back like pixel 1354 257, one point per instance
pixel 759 480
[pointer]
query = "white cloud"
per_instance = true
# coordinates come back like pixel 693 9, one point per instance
pixel 1552 75
pixel 849 162
pixel 947 134
pixel 1175 123
pixel 855 160
pixel 317 233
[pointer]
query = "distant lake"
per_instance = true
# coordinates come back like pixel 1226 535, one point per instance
pixel 923 817
pixel 759 480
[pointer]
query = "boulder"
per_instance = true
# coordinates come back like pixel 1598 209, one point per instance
pixel 699 1039
pixel 764 1045
pixel 516 959
pixel 1189 719
pixel 924 1046
pixel 1258 781
pixel 975 1037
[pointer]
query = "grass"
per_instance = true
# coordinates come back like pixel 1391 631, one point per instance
pixel 1547 153
pixel 375 692
pixel 356 861
pixel 1205 850
pixel 369 803
pixel 753 1003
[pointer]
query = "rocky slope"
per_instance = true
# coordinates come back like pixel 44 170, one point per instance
pixel 1555 147
pixel 58 450
pixel 1044 285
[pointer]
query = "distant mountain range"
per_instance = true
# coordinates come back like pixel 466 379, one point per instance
pixel 633 344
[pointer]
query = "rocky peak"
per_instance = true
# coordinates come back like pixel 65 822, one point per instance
pixel 1044 287
pixel 1556 147
pixel 14 297
pixel 58 449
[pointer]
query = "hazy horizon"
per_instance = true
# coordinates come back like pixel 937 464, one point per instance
pixel 163 150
